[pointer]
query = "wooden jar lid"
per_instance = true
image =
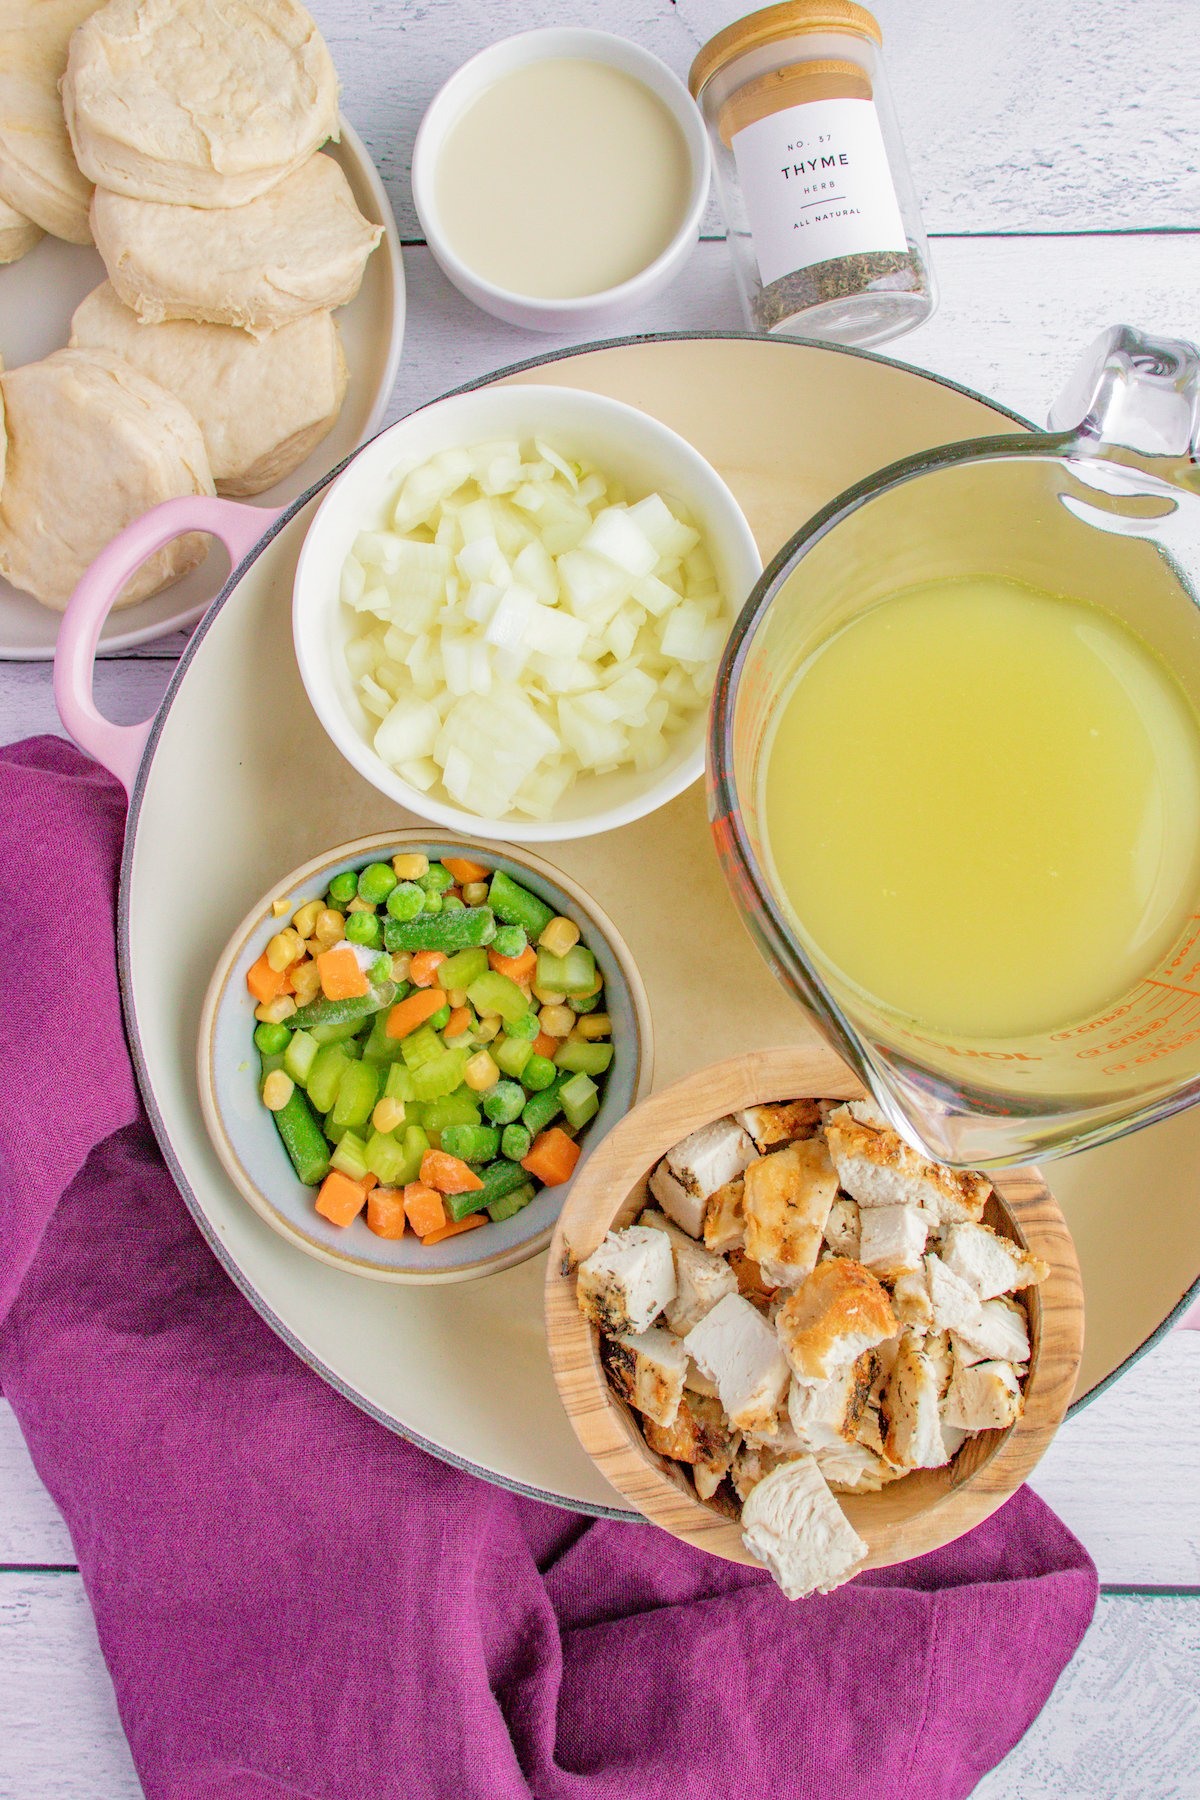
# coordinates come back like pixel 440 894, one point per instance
pixel 793 86
pixel 772 23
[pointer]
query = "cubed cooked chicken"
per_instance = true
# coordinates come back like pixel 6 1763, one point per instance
pixel 778 1124
pixel 697 1167
pixel 647 1368
pixel 700 1436
pixel 984 1397
pixel 1002 1334
pixel 791 1522
pixel 627 1280
pixel 701 1279
pixel 843 1230
pixel 990 1263
pixel 878 1169
pixel 956 1305
pixel 913 1435
pixel 911 1302
pixel 724 1217
pixel 892 1240
pixel 856 1468
pixel 835 1314
pixel 736 1347
pixel 786 1204
pixel 828 1412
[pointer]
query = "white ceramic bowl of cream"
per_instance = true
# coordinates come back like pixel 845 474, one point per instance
pixel 438 155
pixel 616 439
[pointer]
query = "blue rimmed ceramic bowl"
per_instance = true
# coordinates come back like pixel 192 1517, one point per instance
pixel 243 1131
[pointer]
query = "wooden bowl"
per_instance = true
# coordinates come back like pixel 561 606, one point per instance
pixel 929 1507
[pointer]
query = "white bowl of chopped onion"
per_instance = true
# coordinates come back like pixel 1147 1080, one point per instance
pixel 510 607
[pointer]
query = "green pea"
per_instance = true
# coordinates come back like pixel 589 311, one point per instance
pixel 405 901
pixel 510 940
pixel 343 887
pixel 376 882
pixel 538 1073
pixel 524 1026
pixel 272 1039
pixel 431 900
pixel 364 928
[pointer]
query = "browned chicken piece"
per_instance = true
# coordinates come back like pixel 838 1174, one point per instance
pixel 835 1314
pixel 724 1219
pixel 913 1436
pixel 878 1169
pixel 778 1124
pixel 700 1436
pixel 786 1203
pixel 751 1284
pixel 647 1369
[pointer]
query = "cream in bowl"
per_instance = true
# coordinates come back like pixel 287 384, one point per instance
pixel 560 177
pixel 386 1072
pixel 510 608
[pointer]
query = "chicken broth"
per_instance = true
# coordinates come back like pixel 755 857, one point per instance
pixel 982 806
pixel 563 179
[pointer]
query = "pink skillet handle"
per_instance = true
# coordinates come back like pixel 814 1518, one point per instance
pixel 120 747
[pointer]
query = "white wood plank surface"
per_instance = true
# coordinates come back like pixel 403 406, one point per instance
pixel 1029 126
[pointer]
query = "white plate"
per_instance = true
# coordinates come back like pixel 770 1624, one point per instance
pixel 38 295
pixel 239 783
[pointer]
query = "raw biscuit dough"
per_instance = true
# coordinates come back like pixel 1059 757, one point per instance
pixel 92 445
pixel 17 233
pixel 261 403
pixel 200 102
pixel 38 174
pixel 300 249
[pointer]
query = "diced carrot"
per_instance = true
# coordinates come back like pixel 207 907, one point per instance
pixel 425 965
pixel 452 893
pixel 459 1020
pixel 448 1174
pixel 517 968
pixel 452 1230
pixel 552 1157
pixel 413 1010
pixel 423 1208
pixel 464 870
pixel 370 1180
pixel 264 982
pixel 341 977
pixel 340 1199
pixel 545 1045
pixel 385 1212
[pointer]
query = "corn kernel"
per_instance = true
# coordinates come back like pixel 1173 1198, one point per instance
pixel 330 927
pixel 278 908
pixel 475 893
pixel 306 979
pixel 357 905
pixel 283 950
pixel 457 997
pixel 277 1090
pixel 590 1026
pixel 487 1029
pixel 556 1021
pixel 411 867
pixel 559 936
pixel 305 917
pixel 481 1072
pixel 401 964
pixel 274 1012
pixel 388 1114
pixel 545 997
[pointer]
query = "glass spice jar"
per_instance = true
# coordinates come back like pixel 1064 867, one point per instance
pixel 814 187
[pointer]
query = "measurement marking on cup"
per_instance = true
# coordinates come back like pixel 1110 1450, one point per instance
pixel 1172 986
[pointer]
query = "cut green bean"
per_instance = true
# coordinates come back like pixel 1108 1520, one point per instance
pixel 503 1102
pixel 471 1143
pixel 508 1204
pixel 303 1139
pixel 515 905
pixel 515 1141
pixel 463 929
pixel 338 1033
pixel 541 1108
pixel 379 1047
pixel 338 1012
pixel 499 1178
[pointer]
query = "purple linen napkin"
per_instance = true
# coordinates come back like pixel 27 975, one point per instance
pixel 295 1604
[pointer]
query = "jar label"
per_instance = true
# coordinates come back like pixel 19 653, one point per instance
pixel 817 185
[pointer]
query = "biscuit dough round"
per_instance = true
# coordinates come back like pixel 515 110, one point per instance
pixel 199 102
pixel 17 233
pixel 300 249
pixel 261 403
pixel 92 445
pixel 38 173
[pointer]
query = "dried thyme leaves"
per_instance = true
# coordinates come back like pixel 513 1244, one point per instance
pixel 875 271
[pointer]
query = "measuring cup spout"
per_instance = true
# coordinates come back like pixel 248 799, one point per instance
pixel 1135 399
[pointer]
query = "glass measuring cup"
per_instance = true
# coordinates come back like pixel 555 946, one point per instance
pixel 1105 508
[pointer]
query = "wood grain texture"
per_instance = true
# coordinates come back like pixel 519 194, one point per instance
pixel 930 1507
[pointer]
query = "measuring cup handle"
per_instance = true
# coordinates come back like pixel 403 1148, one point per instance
pixel 1131 391
pixel 120 747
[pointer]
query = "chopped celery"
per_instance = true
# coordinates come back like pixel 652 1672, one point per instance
pixel 351 1156
pixel 335 1031
pixel 385 1157
pixel 439 1077
pixel 580 1100
pixel 399 1083
pixel 357 1095
pixel 416 1143
pixel 591 1057
pixel 459 1108
pixel 461 970
pixel 421 1046
pixel 379 1047
pixel 300 1055
pixel 325 1076
pixel 495 993
pixel 574 973
pixel 512 1202
pixel 511 1054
